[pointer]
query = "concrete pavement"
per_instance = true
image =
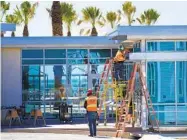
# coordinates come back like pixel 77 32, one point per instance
pixel 50 136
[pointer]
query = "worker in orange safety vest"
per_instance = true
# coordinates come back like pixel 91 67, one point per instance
pixel 118 63
pixel 91 105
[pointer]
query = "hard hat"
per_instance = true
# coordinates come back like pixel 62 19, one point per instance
pixel 121 48
pixel 89 92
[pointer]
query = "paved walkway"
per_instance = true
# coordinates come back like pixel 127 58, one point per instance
pixel 46 136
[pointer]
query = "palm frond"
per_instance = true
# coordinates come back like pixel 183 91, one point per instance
pixel 81 31
pixel 49 11
pixel 139 20
pixel 79 22
pixel 100 23
pixel 88 32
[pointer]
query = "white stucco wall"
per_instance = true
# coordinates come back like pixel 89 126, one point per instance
pixel 11 93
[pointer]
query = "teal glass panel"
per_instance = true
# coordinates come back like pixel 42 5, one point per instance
pixel 55 61
pixel 161 81
pixel 77 53
pixel 114 51
pixel 167 46
pixel 76 61
pixel 181 117
pixel 32 53
pixel 55 53
pixel 152 46
pixel 164 107
pixel 79 69
pixel 56 78
pixel 152 78
pixel 160 46
pixel 167 118
pixel 181 45
pixel 79 86
pixel 137 49
pixel 27 62
pixel 100 53
pixel 33 78
pixel 97 61
pixel 181 81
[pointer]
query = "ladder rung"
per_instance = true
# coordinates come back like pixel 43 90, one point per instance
pixel 119 130
pixel 120 123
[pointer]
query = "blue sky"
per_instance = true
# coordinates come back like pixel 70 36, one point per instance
pixel 172 13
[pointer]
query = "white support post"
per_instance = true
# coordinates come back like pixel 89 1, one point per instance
pixel 144 114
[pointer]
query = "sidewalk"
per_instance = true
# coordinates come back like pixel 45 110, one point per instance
pixel 49 136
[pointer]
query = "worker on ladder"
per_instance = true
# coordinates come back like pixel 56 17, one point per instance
pixel 118 63
pixel 91 105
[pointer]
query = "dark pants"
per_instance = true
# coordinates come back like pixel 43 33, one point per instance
pixel 119 71
pixel 92 116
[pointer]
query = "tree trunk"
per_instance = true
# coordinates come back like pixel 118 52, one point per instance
pixel 13 34
pixel 56 19
pixel 69 33
pixel 2 34
pixel 25 30
pixel 94 32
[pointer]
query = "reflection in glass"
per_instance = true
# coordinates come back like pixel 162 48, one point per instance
pixel 167 118
pixel 79 69
pixel 181 81
pixel 181 45
pixel 161 46
pixel 77 53
pixel 100 53
pixel 161 81
pixel 79 86
pixel 55 53
pixel 58 72
pixel 32 53
pixel 32 78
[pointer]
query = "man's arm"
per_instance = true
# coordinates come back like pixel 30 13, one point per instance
pixel 85 104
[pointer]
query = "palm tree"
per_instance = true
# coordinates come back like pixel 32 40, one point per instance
pixel 68 15
pixel 112 18
pixel 68 19
pixel 4 8
pixel 129 11
pixel 56 15
pixel 92 15
pixel 12 19
pixel 149 17
pixel 25 13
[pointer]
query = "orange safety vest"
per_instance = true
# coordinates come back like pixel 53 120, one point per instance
pixel 91 103
pixel 120 56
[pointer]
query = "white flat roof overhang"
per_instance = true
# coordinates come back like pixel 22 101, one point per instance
pixel 57 42
pixel 161 32
pixel 158 56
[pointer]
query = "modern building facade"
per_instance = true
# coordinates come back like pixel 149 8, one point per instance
pixel 33 68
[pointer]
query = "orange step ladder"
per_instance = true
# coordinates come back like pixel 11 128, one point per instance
pixel 124 116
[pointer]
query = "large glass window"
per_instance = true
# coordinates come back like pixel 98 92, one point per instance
pixel 161 81
pixel 168 91
pixel 181 81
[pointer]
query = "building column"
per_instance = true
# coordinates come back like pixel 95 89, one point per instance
pixel 144 113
